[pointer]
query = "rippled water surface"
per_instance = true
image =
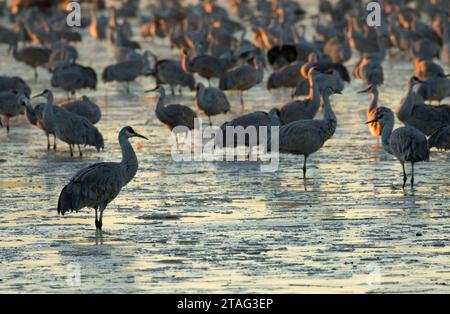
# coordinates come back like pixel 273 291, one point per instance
pixel 223 226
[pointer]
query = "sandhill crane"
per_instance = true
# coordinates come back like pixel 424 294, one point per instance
pixel 436 88
pixel 126 71
pixel 8 83
pixel 338 49
pixel 374 127
pixel 70 127
pixel 242 78
pixel 83 107
pixel 440 139
pixel 424 117
pixel 255 119
pixel 170 72
pixel 36 117
pixel 304 137
pixel 426 68
pixel 206 66
pixel 287 76
pixel 408 144
pixel 9 107
pixel 303 109
pixel 332 75
pixel 72 76
pixel 370 71
pixel 99 184
pixel 212 101
pixel 8 37
pixel 32 56
pixel 173 115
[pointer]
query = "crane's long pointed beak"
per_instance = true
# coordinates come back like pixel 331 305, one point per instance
pixel 151 90
pixel 141 136
pixel 364 91
pixel 39 95
pixel 372 121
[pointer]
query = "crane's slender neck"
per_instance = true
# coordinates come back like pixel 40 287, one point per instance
pixel 201 92
pixel 30 113
pixel 160 103
pixel 186 63
pixel 129 159
pixel 373 100
pixel 314 93
pixel 329 116
pixel 386 135
pixel 407 105
pixel 48 113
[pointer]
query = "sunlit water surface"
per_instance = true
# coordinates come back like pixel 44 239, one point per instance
pixel 222 226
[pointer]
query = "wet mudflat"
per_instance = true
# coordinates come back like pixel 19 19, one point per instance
pixel 223 226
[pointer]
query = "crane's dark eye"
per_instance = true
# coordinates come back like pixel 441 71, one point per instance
pixel 380 116
pixel 130 130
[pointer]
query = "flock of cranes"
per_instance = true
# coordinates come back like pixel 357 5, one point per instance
pixel 215 45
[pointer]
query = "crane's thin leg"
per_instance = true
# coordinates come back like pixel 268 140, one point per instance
pixel 209 82
pixel 412 175
pixel 181 91
pixel 7 125
pixel 48 141
pixel 71 150
pixel 242 101
pixel 100 221
pixel 127 88
pixel 404 175
pixel 96 217
pixel 1 124
pixel 210 123
pixel 304 167
pixel 79 150
pixel 35 74
pixel 173 90
pixel 54 141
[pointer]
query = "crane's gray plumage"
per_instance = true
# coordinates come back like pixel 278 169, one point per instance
pixel 70 127
pixel 84 107
pixel 243 78
pixel 303 109
pixel 71 77
pixel 32 56
pixel 126 71
pixel 370 71
pixel 212 101
pixel 173 115
pixel 287 76
pixel 254 119
pixel 205 65
pixel 9 107
pixel 304 137
pixel 424 117
pixel 170 72
pixel 440 139
pixel 408 144
pixel 8 83
pixel 435 88
pixel 99 184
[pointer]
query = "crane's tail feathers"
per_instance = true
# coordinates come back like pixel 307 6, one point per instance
pixel 69 199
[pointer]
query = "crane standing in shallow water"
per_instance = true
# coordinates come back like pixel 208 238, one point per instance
pixel 173 115
pixel 304 137
pixel 99 184
pixel 70 127
pixel 408 144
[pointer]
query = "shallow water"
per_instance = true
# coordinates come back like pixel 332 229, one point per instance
pixel 223 226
